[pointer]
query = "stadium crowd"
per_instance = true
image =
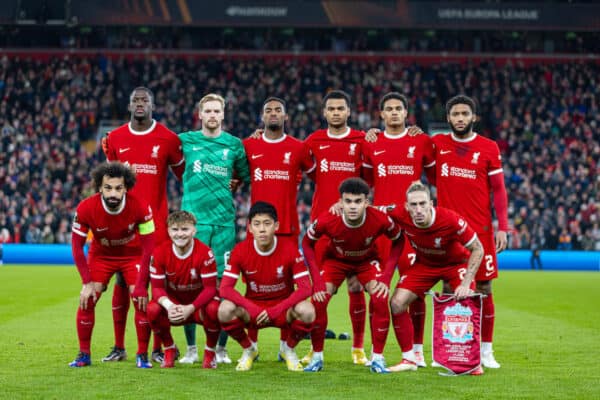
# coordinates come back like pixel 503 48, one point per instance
pixel 299 39
pixel 545 119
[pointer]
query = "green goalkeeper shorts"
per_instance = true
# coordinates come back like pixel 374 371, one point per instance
pixel 220 239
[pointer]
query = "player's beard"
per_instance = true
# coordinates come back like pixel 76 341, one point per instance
pixel 339 125
pixel 274 126
pixel 463 132
pixel 112 203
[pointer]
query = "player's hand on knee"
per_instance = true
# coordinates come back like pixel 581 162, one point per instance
pixel 140 296
pixel 87 291
pixel 320 296
pixel 380 289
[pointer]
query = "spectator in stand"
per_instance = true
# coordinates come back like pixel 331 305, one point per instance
pixel 545 118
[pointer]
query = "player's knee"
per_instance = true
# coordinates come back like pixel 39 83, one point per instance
pixel 153 311
pixel 354 286
pixel 398 305
pixel 305 312
pixel 484 287
pixel 226 311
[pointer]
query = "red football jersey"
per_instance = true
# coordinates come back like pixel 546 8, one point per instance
pixel 463 168
pixel 443 242
pixel 115 233
pixel 183 275
pixel 150 153
pixel 337 158
pixel 397 161
pixel 353 243
pixel 268 276
pixel 275 166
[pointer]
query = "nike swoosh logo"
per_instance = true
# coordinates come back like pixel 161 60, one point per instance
pixel 194 148
pixel 409 234
pixel 445 151
pixel 323 147
pixel 102 229
pixel 124 150
pixel 378 152
pixel 251 272
pixel 489 273
pixel 255 156
pixel 362 310
pixel 338 240
pixel 170 273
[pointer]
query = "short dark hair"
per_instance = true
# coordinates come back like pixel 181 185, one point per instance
pixel 393 95
pixel 143 89
pixel 277 99
pixel 354 186
pixel 337 94
pixel 262 207
pixel 462 99
pixel 113 170
pixel 181 217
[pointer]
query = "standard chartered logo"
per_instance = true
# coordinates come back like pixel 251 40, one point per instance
pixel 210 169
pixel 445 169
pixel 381 170
pixel 324 165
pixel 258 175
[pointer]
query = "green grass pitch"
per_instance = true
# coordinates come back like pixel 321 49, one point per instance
pixel 547 340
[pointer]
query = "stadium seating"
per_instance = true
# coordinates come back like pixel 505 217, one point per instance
pixel 544 117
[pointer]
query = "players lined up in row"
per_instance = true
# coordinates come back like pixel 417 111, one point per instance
pixel 184 275
pixel 465 167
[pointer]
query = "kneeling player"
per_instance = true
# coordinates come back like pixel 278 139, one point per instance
pixel 184 287
pixel 270 269
pixel 123 240
pixel 442 240
pixel 352 252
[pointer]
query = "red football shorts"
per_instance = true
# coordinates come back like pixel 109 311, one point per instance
pixel 420 278
pixel 102 269
pixel 384 246
pixel 488 269
pixel 280 322
pixel 335 271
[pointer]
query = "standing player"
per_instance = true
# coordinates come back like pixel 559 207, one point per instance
pixel 150 149
pixel 441 239
pixel 276 161
pixel 396 160
pixel 338 152
pixel 468 172
pixel 351 252
pixel 122 228
pixel 270 267
pixel 211 158
pixel 184 286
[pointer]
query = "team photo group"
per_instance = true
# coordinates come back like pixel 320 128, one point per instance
pixel 372 214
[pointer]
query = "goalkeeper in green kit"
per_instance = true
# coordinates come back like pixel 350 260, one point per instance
pixel 211 158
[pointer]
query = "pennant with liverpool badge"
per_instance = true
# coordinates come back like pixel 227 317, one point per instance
pixel 456 334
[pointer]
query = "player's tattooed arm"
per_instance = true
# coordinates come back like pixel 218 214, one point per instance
pixel 464 289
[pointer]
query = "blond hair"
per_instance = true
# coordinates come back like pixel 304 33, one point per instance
pixel 418 186
pixel 211 97
pixel 180 218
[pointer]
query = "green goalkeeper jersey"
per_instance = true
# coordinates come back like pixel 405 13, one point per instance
pixel 209 167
